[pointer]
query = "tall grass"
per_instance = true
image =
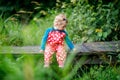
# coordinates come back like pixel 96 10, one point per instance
pixel 30 67
pixel 14 33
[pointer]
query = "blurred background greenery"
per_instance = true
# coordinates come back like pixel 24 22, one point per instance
pixel 23 22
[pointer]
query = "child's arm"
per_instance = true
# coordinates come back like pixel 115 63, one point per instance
pixel 44 40
pixel 68 41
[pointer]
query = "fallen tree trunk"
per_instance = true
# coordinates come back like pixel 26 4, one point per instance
pixel 96 52
pixel 84 48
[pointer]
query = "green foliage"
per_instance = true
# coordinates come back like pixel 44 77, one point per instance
pixel 94 22
pixel 88 21
pixel 14 33
pixel 29 8
pixel 30 67
pixel 8 66
pixel 10 32
pixel 101 73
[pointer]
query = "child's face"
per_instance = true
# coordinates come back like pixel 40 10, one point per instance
pixel 60 22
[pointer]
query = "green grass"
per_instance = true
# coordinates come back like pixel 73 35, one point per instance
pixel 15 33
pixel 30 67
pixel 102 73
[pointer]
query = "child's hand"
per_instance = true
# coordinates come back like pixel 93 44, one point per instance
pixel 41 51
pixel 74 50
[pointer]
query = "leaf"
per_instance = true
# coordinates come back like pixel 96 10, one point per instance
pixel 105 34
pixel 100 34
pixel 90 31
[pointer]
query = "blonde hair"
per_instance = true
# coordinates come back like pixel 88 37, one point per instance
pixel 60 21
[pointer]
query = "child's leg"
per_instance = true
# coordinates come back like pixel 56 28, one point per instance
pixel 48 56
pixel 61 55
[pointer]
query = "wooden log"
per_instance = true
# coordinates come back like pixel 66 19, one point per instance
pixel 19 50
pixel 86 48
pixel 98 47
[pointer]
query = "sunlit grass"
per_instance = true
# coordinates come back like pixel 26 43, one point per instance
pixel 15 33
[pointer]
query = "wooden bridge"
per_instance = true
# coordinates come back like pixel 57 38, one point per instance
pixel 94 50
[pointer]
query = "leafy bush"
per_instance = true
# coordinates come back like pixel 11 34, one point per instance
pixel 94 22
pixel 101 73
